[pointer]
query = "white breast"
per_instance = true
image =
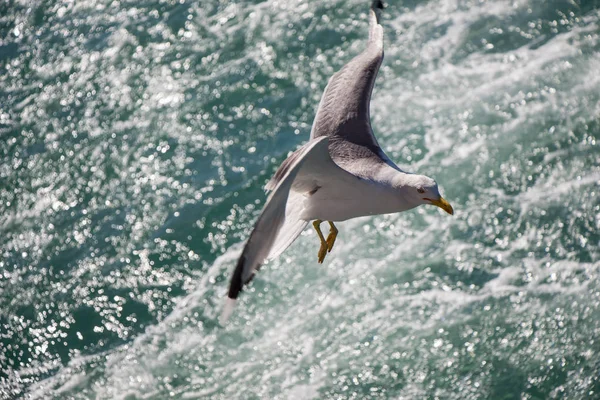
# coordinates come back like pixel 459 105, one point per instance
pixel 339 201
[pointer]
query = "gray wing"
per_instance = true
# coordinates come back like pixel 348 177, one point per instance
pixel 267 228
pixel 343 113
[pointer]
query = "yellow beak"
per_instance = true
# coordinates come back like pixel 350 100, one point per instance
pixel 443 204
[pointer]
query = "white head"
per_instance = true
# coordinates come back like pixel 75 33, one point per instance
pixel 420 189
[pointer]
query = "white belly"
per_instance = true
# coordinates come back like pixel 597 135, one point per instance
pixel 339 202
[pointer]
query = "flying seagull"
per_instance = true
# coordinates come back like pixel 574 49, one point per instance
pixel 341 173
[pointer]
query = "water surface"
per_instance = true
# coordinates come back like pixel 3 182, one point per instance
pixel 136 138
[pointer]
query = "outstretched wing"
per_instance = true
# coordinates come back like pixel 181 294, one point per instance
pixel 267 229
pixel 343 113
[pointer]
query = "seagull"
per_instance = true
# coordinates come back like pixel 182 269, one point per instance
pixel 341 173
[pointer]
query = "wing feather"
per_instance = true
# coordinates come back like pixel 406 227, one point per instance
pixel 269 223
pixel 343 113
pixel 281 220
pixel 292 226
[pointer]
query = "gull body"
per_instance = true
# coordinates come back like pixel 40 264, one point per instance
pixel 389 191
pixel 341 173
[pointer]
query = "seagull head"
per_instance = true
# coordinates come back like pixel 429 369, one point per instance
pixel 420 189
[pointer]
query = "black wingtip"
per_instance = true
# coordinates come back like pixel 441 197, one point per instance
pixel 237 281
pixel 236 284
pixel 377 4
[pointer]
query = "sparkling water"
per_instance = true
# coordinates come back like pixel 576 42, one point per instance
pixel 136 138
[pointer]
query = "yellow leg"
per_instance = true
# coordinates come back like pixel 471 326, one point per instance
pixel 332 236
pixel 324 246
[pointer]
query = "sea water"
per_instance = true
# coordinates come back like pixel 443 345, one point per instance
pixel 135 141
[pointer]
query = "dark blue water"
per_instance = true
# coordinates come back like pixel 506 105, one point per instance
pixel 136 137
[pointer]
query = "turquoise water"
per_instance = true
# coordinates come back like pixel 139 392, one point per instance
pixel 136 138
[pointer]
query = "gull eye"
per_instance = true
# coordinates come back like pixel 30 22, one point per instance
pixel 421 190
